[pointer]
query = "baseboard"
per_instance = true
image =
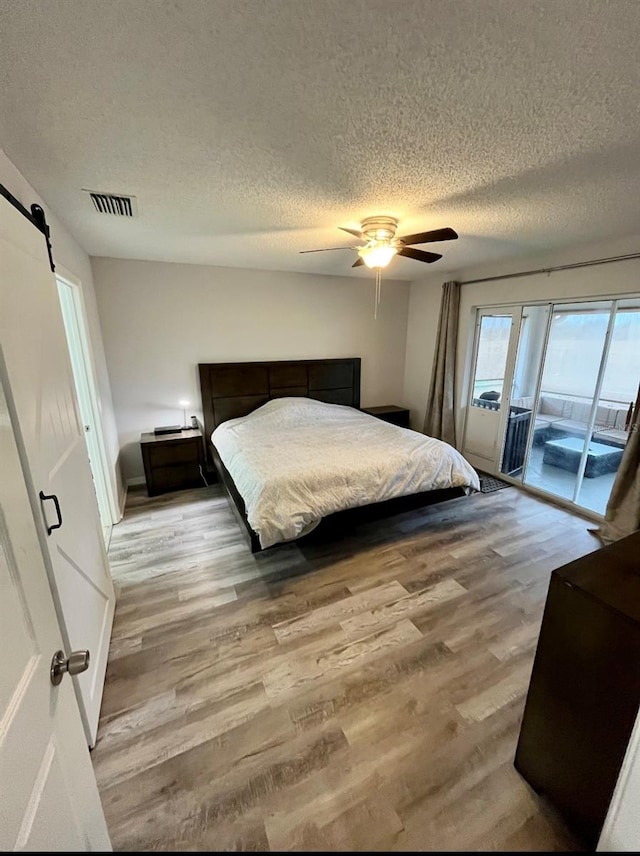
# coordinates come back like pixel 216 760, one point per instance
pixel 138 480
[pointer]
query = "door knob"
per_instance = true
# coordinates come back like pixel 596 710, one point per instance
pixel 77 662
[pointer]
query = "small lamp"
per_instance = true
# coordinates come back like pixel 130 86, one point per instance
pixel 184 403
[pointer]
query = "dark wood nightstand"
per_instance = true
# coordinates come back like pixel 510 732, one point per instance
pixel 172 461
pixel 390 413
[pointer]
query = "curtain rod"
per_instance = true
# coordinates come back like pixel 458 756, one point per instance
pixel 553 269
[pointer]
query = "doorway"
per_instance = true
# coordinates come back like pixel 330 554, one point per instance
pixel 496 333
pixel 78 340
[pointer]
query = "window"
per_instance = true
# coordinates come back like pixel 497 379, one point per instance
pixel 491 360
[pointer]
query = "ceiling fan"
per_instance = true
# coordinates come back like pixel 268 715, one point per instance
pixel 381 244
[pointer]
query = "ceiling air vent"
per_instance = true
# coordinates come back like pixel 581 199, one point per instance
pixel 116 204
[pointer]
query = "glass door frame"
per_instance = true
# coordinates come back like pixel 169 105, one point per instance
pixel 535 404
pixel 596 402
pixel 521 480
pixel 514 311
pixel 469 372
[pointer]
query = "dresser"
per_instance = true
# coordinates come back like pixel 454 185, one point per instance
pixel 172 461
pixel 585 685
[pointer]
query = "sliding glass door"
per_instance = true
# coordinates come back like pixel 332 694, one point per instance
pixel 524 387
pixel 571 365
pixel 614 405
pixel 574 382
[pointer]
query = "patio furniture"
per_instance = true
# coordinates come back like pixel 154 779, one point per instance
pixel 566 455
pixel 560 417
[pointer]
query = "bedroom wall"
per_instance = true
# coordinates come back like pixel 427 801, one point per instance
pixel 72 261
pixel 159 320
pixel 424 305
pixel 621 830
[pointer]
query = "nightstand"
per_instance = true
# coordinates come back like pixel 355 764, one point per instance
pixel 390 413
pixel 172 461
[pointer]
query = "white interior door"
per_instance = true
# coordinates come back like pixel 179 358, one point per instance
pixel 42 397
pixel 496 335
pixel 49 797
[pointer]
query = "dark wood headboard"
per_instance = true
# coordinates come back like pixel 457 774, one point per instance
pixel 230 390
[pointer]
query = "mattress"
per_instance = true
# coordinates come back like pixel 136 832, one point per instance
pixel 296 460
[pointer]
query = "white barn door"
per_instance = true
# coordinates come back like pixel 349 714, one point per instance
pixel 50 798
pixel 54 452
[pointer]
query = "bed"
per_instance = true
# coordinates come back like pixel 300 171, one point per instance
pixel 292 448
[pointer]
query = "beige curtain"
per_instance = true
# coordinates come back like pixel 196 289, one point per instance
pixel 439 419
pixel 622 516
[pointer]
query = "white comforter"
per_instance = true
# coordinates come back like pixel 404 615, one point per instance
pixel 295 460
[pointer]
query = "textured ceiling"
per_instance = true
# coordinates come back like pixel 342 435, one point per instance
pixel 250 129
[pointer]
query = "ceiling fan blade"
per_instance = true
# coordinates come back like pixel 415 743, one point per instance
pixel 327 249
pixel 419 255
pixel 428 237
pixel 358 262
pixel 351 231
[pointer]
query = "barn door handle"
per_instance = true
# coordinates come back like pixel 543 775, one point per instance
pixel 53 497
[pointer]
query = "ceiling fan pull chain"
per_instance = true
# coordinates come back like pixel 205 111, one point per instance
pixel 375 299
pixel 378 291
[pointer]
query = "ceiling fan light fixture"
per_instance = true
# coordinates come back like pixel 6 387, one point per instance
pixel 377 254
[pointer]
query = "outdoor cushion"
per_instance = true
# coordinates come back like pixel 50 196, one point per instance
pixel 552 406
pixel 573 426
pixel 545 419
pixel 612 435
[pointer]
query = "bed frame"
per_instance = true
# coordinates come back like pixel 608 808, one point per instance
pixel 231 390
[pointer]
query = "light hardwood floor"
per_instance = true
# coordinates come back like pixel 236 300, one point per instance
pixel 364 693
